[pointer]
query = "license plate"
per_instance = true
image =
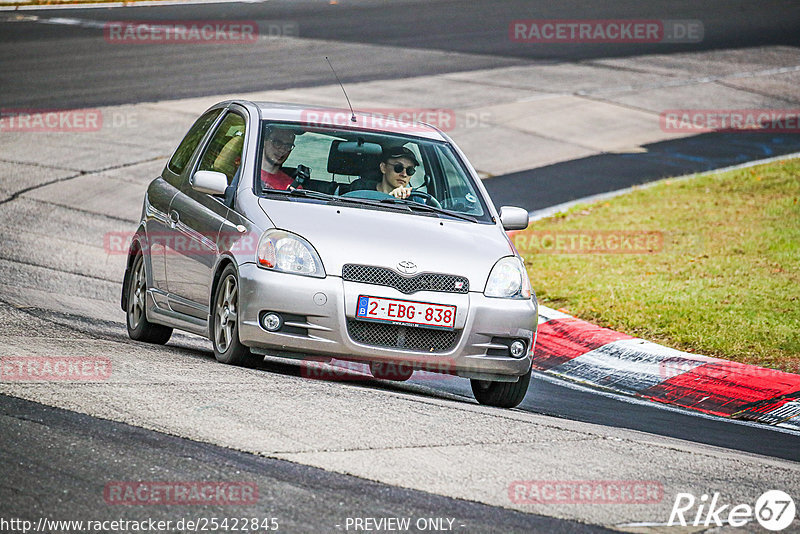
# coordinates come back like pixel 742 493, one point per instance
pixel 406 312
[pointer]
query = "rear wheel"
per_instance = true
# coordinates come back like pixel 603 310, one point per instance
pixel 501 394
pixel 225 323
pixel 398 372
pixel 139 328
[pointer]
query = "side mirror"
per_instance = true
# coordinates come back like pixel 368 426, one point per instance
pixel 513 218
pixel 211 182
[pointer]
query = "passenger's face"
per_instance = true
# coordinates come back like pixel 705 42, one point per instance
pixel 278 146
pixel 392 177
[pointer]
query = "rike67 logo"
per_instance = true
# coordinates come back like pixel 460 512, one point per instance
pixel 774 510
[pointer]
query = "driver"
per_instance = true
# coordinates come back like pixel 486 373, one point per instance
pixel 277 147
pixel 398 165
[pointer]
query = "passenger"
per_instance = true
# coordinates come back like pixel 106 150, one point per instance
pixel 277 147
pixel 398 165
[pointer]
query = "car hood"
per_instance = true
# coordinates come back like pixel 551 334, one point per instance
pixel 342 235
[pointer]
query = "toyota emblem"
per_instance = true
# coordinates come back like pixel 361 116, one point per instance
pixel 408 267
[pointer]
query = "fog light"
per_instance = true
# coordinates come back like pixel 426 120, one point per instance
pixel 271 321
pixel 517 348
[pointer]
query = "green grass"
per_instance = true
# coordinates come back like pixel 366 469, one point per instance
pixel 725 282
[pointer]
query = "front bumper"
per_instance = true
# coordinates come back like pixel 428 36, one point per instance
pixel 325 305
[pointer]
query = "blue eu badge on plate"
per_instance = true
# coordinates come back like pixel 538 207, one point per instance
pixel 362 306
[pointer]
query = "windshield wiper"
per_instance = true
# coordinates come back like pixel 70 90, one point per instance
pixel 395 202
pixel 430 209
pixel 307 193
pixel 310 193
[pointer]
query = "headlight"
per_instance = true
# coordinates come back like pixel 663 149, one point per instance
pixel 289 253
pixel 508 279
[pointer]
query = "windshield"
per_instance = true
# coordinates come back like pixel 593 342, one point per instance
pixel 373 170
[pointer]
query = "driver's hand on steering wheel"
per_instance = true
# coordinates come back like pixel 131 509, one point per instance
pixel 401 192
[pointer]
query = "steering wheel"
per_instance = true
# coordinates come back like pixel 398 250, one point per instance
pixel 427 199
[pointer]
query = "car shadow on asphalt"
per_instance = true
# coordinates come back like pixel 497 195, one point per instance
pixel 338 371
pixel 190 346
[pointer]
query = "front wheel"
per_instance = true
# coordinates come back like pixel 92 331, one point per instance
pixel 501 394
pixel 139 328
pixel 225 322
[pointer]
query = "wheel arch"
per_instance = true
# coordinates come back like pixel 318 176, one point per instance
pixel 222 263
pixel 134 249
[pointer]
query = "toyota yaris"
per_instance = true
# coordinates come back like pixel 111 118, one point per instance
pixel 314 233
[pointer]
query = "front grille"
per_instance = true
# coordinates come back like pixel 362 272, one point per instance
pixel 401 337
pixel 381 276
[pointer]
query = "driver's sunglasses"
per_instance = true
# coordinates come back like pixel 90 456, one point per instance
pixel 398 168
pixel 280 144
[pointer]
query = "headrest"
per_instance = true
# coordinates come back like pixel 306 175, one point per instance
pixel 349 163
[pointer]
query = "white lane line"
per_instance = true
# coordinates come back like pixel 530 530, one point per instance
pixel 105 5
pixel 62 21
pixel 263 35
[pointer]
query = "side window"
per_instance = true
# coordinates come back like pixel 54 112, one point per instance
pixel 224 151
pixel 187 147
pixel 460 194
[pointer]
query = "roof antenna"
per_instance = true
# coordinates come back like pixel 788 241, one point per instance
pixel 353 116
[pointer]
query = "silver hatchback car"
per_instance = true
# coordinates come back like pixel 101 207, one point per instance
pixel 312 233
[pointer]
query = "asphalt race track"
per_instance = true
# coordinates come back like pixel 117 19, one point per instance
pixel 407 38
pixel 97 444
pixel 322 452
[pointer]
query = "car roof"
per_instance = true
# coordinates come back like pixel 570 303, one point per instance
pixel 388 120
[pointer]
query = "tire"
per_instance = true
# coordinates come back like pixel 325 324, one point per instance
pixel 139 328
pixel 225 323
pixel 501 394
pixel 399 372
